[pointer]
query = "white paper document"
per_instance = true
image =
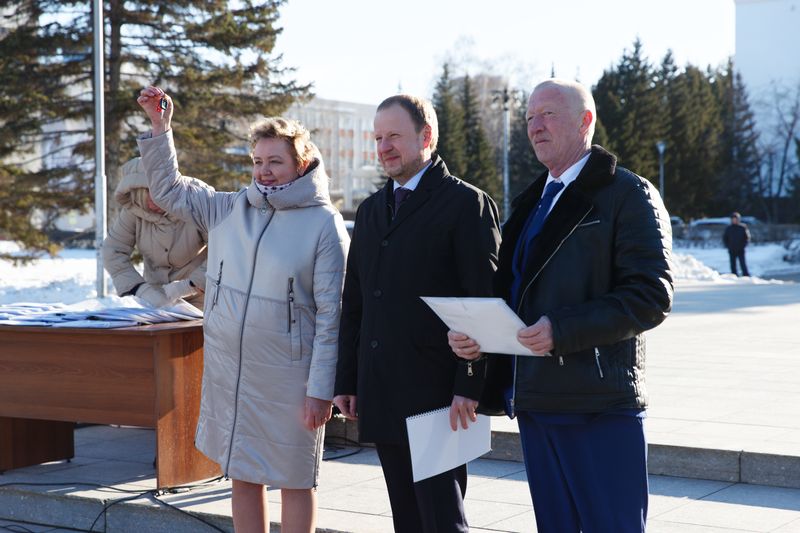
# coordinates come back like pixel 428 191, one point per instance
pixel 489 321
pixel 435 448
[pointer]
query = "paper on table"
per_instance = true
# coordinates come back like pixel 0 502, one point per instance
pixel 489 321
pixel 96 324
pixel 108 312
pixel 435 448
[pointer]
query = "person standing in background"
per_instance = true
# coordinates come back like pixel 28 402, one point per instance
pixel 736 238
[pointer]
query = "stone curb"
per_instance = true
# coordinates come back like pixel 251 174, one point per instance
pixel 665 460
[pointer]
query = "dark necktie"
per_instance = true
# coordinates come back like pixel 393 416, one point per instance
pixel 532 228
pixel 400 196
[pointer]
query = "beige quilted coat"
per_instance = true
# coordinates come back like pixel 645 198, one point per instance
pixel 171 249
pixel 273 301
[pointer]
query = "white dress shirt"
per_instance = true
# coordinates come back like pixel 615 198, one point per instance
pixel 413 182
pixel 566 177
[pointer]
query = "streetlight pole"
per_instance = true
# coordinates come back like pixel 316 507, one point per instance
pixel 504 97
pixel 661 146
pixel 506 135
pixel 99 146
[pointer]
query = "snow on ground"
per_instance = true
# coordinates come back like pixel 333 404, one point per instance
pixel 70 277
pixel 712 264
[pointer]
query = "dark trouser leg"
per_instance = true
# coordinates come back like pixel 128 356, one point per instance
pixel 433 505
pixel 587 477
pixel 732 257
pixel 743 264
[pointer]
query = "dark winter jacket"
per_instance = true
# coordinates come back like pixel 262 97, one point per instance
pixel 393 351
pixel 736 237
pixel 600 271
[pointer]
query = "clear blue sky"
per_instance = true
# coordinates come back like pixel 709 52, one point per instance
pixel 363 50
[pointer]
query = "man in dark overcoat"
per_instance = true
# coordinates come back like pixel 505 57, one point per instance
pixel 425 233
pixel 586 263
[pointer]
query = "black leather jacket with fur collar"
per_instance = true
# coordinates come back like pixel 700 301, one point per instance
pixel 600 271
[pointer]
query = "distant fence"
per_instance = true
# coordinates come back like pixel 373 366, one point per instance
pixel 711 234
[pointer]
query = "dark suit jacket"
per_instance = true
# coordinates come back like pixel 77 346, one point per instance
pixel 393 351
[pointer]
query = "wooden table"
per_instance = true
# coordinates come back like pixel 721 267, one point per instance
pixel 146 376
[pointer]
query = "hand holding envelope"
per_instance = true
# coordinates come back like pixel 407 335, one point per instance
pixel 488 321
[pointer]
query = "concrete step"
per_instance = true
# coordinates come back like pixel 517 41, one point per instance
pixel 352 498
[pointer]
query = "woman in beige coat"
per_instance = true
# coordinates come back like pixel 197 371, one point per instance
pixel 276 256
pixel 173 250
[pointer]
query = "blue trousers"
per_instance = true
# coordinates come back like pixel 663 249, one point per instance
pixel 586 474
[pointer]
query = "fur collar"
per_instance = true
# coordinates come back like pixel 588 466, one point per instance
pixel 575 203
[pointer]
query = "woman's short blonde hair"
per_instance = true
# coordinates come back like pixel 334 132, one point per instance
pixel 138 196
pixel 291 131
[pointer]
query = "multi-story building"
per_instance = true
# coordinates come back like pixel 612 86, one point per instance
pixel 344 133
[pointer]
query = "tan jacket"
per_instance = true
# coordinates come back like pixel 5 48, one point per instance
pixel 171 248
pixel 271 316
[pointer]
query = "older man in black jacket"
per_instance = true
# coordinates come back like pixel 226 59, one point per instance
pixel 426 233
pixel 585 261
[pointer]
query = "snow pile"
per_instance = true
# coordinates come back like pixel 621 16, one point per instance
pixel 763 261
pixel 689 268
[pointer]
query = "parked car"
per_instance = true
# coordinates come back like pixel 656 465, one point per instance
pixel 722 221
pixel 710 229
pixel 707 229
pixel 678 226
pixel 710 222
pixel 349 225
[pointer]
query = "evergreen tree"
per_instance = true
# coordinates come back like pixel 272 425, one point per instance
pixel 450 115
pixel 213 59
pixel 629 103
pixel 693 138
pixel 480 170
pixel 665 82
pixel 740 161
pixel 523 166
pixel 600 135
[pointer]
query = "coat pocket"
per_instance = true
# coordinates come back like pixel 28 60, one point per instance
pixel 293 323
pixel 588 223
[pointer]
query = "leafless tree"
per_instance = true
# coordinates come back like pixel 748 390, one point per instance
pixel 778 162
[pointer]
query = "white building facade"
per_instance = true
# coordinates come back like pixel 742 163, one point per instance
pixel 344 133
